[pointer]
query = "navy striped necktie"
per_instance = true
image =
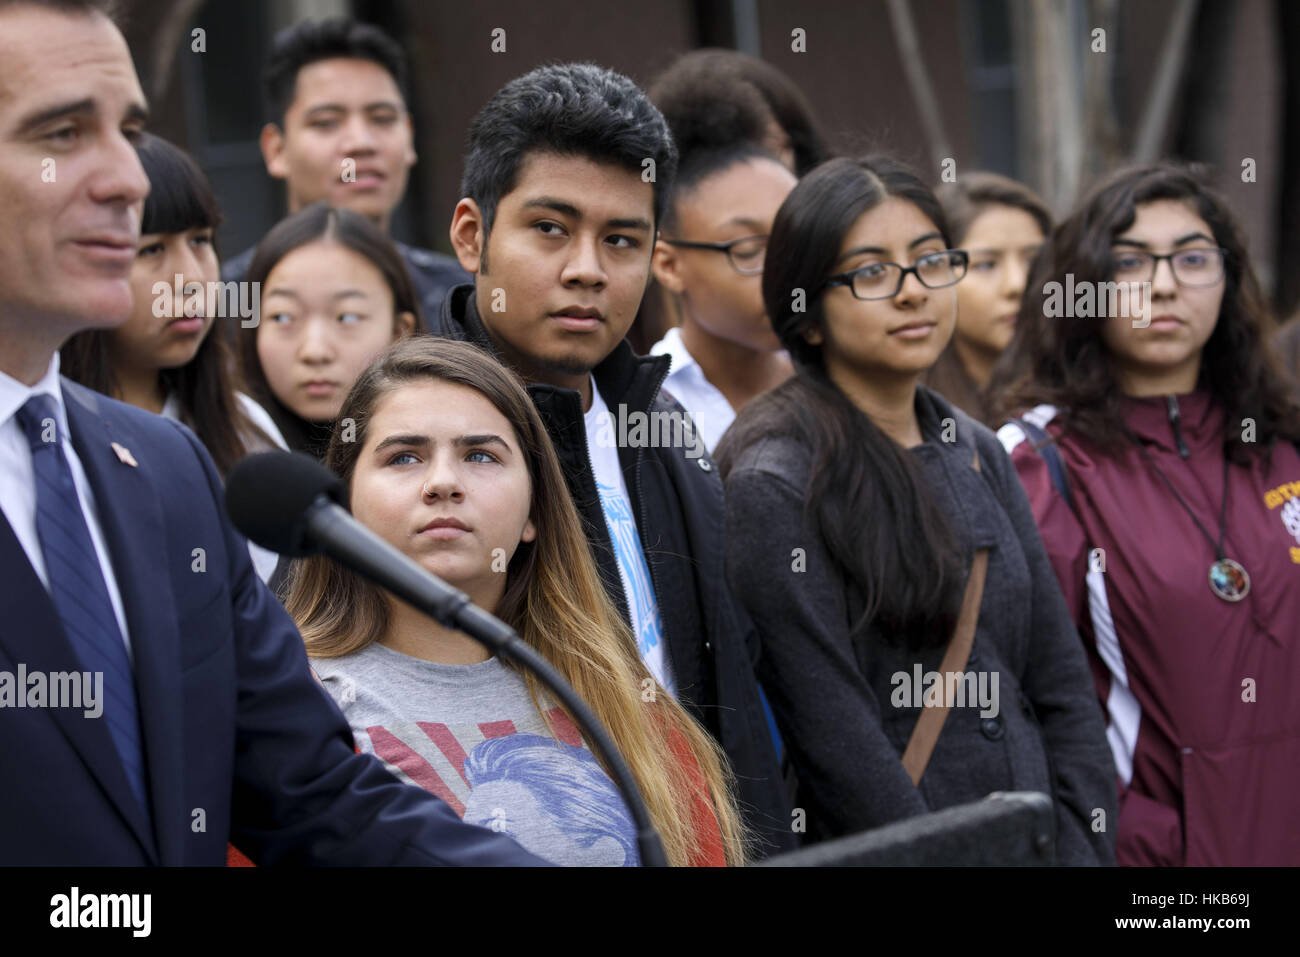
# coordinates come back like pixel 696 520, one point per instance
pixel 77 585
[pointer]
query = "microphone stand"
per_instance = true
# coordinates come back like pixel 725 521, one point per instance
pixel 452 608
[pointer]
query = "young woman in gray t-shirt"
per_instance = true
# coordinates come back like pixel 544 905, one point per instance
pixel 444 455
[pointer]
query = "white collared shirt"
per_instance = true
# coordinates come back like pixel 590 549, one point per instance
pixel 264 560
pixel 707 406
pixel 638 588
pixel 18 482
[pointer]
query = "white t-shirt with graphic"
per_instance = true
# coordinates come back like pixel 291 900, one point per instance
pixel 643 606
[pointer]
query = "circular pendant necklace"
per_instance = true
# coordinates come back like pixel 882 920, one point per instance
pixel 1228 579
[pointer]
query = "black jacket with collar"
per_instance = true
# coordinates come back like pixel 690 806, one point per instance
pixel 677 501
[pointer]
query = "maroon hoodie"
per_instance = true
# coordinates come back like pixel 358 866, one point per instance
pixel 1202 696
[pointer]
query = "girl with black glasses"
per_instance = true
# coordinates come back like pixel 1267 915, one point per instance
pixel 1158 452
pixel 915 645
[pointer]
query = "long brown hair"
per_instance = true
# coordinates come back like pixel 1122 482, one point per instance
pixel 1064 362
pixel 553 598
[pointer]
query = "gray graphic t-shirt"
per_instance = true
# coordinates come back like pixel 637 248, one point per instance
pixel 471 735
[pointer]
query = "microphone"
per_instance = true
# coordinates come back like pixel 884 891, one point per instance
pixel 291 504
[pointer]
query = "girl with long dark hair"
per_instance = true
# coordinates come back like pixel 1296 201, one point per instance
pixel 167 358
pixel 915 645
pixel 170 364
pixel 1157 445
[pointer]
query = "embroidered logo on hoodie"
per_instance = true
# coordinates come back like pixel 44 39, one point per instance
pixel 1287 495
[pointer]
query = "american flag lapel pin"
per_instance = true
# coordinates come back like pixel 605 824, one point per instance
pixel 124 455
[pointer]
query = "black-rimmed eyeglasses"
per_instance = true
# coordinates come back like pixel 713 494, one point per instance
pixel 1202 266
pixel 745 254
pixel 883 280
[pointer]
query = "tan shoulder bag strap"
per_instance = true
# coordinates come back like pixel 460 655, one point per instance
pixel 926 732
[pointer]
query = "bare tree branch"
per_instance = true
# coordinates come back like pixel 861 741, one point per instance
pixel 918 80
pixel 1160 104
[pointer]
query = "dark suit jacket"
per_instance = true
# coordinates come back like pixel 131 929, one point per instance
pixel 240 742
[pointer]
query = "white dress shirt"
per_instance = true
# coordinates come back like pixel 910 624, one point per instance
pixel 264 560
pixel 707 406
pixel 18 482
pixel 257 415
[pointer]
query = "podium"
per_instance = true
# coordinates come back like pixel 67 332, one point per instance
pixel 1005 829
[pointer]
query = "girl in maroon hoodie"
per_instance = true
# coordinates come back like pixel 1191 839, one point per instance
pixel 1159 455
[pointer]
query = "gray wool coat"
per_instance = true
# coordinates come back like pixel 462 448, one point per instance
pixel 844 710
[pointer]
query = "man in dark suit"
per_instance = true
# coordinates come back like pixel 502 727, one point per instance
pixel 155 700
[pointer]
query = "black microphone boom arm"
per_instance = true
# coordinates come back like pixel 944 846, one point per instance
pixel 343 538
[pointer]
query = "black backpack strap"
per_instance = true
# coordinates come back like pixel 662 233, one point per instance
pixel 1045 446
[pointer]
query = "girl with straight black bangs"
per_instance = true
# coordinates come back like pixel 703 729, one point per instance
pixel 883 547
pixel 167 358
pixel 1157 444
pixel 170 364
